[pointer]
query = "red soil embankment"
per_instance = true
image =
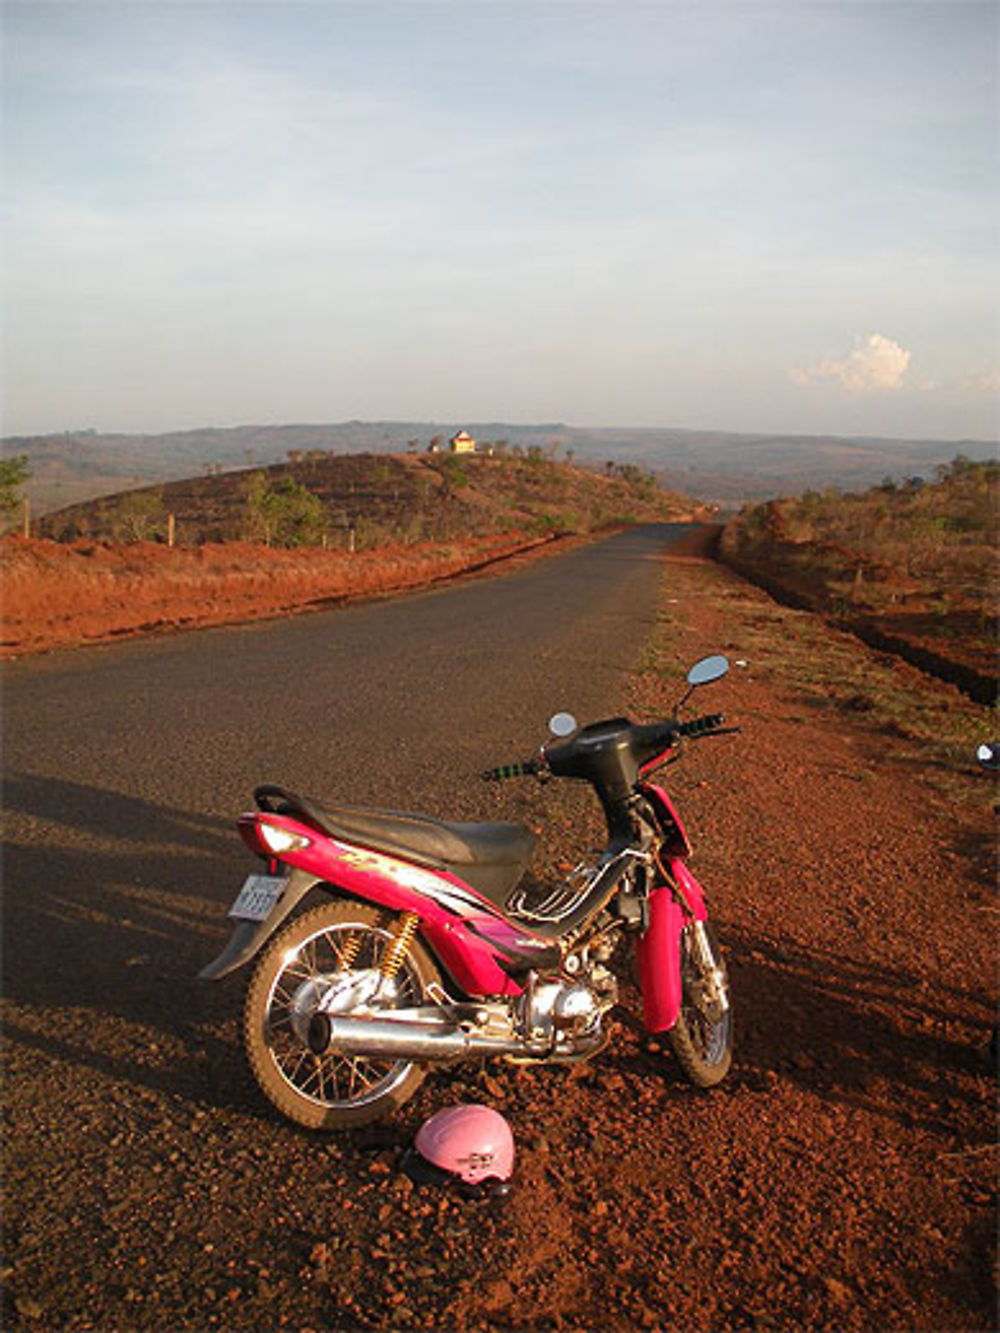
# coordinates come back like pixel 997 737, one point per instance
pixel 62 595
pixel 818 576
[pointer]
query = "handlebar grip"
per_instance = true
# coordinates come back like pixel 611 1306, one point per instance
pixel 700 725
pixel 522 768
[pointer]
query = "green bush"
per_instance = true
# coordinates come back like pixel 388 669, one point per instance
pixel 284 513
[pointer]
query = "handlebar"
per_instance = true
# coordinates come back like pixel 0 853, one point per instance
pixel 651 739
pixel 521 768
pixel 700 726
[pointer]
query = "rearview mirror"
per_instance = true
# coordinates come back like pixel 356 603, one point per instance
pixel 562 724
pixel 708 669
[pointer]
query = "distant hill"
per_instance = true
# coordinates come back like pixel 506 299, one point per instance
pixel 374 499
pixel 717 466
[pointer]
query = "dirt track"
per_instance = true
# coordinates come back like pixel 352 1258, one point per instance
pixel 841 1179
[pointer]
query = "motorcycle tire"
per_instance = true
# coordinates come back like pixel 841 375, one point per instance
pixel 702 1040
pixel 328 1091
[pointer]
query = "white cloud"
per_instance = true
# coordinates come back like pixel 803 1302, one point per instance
pixel 875 363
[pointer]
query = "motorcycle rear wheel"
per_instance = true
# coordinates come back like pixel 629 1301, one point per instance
pixel 329 1091
pixel 702 1037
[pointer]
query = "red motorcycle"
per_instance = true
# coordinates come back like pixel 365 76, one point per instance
pixel 425 947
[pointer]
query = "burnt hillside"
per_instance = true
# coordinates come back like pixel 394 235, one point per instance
pixel 379 498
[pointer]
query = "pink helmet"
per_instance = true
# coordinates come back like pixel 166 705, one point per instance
pixel 469 1145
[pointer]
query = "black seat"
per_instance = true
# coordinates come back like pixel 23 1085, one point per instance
pixel 491 857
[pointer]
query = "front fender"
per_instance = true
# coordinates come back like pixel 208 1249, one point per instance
pixel 248 936
pixel 659 948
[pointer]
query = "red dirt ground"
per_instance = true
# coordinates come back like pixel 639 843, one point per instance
pixel 59 595
pixel 842 1179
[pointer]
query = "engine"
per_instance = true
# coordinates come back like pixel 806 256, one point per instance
pixel 563 1014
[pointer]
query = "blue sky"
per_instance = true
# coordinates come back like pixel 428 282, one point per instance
pixel 750 216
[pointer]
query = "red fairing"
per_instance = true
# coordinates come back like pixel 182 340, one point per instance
pixel 465 930
pixel 676 845
pixel 659 949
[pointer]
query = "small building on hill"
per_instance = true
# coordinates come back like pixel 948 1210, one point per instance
pixel 462 443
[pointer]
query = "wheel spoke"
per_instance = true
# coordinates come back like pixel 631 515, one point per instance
pixel 332 1079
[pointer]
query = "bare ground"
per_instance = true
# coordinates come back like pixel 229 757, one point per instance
pixel 843 1178
pixel 68 594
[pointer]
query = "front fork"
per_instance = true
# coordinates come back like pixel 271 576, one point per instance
pixel 711 979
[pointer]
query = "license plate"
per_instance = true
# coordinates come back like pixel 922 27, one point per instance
pixel 257 896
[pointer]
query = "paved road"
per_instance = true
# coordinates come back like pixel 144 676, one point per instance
pixel 124 768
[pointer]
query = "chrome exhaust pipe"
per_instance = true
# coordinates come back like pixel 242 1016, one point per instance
pixel 404 1039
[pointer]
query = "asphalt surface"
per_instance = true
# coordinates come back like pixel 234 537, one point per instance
pixel 124 769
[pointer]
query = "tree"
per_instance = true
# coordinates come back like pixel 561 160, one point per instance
pixel 284 513
pixel 138 515
pixel 13 474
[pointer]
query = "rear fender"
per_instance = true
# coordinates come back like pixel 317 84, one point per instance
pixel 249 936
pixel 659 948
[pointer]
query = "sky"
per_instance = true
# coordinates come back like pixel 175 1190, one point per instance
pixel 768 217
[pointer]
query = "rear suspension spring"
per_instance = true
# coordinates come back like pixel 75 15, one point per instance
pixel 349 951
pixel 402 935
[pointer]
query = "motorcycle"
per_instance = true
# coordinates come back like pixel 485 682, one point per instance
pixel 426 946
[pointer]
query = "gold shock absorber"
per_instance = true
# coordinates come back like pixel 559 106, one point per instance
pixel 349 951
pixel 402 934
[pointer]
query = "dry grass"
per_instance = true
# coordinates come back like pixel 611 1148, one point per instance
pixel 917 562
pixel 923 725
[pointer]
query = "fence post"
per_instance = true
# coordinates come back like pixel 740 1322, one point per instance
pixel 26 518
pixel 171 529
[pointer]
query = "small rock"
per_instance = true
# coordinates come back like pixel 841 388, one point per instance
pixel 836 1290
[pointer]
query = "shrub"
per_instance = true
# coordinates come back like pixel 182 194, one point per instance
pixel 284 513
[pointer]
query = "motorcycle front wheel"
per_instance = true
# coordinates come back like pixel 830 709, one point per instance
pixel 702 1037
pixel 339 945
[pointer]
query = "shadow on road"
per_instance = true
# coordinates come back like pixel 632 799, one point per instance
pixel 111 906
pixel 867 1037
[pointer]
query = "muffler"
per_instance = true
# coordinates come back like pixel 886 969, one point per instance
pixel 404 1039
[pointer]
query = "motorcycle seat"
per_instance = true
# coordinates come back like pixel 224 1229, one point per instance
pixel 491 857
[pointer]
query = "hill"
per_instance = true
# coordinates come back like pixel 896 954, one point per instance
pixel 721 467
pixel 367 500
